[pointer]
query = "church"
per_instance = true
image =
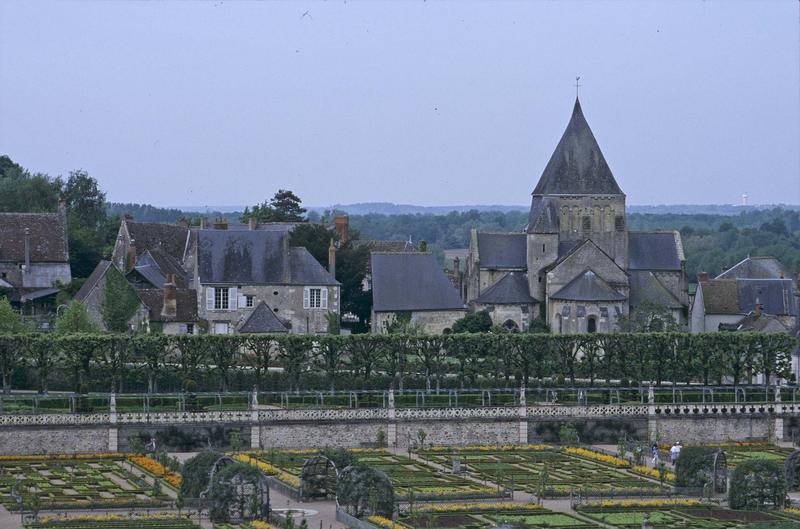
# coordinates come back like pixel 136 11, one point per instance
pixel 575 264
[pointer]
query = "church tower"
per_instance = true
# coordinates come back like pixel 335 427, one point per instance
pixel 576 198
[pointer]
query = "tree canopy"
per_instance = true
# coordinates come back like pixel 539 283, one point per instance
pixel 284 206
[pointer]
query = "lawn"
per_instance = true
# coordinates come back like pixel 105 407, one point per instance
pixel 484 516
pixel 698 517
pixel 528 468
pixel 74 483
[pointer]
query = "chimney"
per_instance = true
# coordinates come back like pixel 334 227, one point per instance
pixel 128 217
pixel 782 275
pixel 702 277
pixel 342 225
pixel 27 249
pixel 757 310
pixel 62 206
pixel 131 256
pixel 203 223
pixel 170 305
pixel 220 224
pixel 332 259
pixel 252 223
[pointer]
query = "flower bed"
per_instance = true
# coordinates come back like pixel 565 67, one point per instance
pixel 74 483
pixel 115 521
pixel 557 471
pixel 482 516
pixel 153 467
pixel 669 477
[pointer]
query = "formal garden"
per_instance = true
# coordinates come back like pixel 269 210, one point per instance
pixel 483 515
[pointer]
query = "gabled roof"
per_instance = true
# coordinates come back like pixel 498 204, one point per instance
pixel 646 287
pixel 659 250
pixel 411 281
pixel 91 281
pixel 47 237
pixel 740 296
pixel 171 238
pixel 253 257
pixel 262 320
pixel 577 166
pixel 154 266
pixel 588 286
pixel 567 249
pixel 543 217
pixel 753 322
pixel 511 289
pixel 503 250
pixel 756 268
pixel 720 296
pixel 185 302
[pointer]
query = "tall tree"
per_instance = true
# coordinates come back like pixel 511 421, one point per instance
pixel 284 206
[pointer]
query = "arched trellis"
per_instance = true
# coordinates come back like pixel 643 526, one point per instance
pixel 363 490
pixel 719 471
pixel 236 488
pixel 792 474
pixel 318 478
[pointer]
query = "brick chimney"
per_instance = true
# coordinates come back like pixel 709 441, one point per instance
pixel 332 259
pixel 131 256
pixel 342 225
pixel 170 306
pixel 702 277
pixel 252 223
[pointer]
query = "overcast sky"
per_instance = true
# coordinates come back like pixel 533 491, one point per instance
pixel 221 103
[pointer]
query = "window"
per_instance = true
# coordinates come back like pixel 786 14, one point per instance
pixel 315 298
pixel 619 223
pixel 187 328
pixel 591 324
pixel 221 299
pixel 587 223
pixel 221 327
pixel 249 301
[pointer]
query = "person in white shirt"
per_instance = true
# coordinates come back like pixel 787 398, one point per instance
pixel 674 452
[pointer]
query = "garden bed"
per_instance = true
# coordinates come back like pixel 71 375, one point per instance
pixel 483 516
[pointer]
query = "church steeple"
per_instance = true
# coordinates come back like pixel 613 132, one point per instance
pixel 577 166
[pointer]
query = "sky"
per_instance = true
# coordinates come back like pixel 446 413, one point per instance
pixel 429 103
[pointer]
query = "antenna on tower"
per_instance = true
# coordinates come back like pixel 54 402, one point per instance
pixel 577 85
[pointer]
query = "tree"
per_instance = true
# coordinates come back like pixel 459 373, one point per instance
pixel 648 317
pixel 85 201
pixel 284 206
pixel 152 351
pixel 120 301
pixel 328 356
pixel 351 269
pixel 43 356
pixel 12 350
pixel 756 484
pixel 479 321
pixel 316 238
pixel 75 319
pixel 10 322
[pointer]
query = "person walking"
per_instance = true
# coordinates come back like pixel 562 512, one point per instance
pixel 655 455
pixel 674 452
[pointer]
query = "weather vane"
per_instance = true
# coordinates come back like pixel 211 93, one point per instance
pixel 577 85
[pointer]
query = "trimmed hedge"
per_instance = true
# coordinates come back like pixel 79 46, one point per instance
pixel 694 467
pixel 756 484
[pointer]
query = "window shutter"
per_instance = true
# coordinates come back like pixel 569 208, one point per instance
pixel 233 297
pixel 306 298
pixel 242 301
pixel 324 298
pixel 210 298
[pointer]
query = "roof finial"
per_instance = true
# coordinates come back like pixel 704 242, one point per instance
pixel 577 86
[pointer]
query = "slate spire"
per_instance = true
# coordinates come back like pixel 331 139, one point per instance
pixel 577 166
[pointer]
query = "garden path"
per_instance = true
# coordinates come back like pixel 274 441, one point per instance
pixel 9 520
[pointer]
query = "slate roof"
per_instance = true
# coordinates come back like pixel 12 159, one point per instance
pixel 503 250
pixel 588 286
pixel 645 286
pixel 654 251
pixel 775 295
pixel 511 289
pixel 171 238
pixel 186 304
pixel 577 166
pixel 756 268
pixel 411 281
pixel 154 265
pixel 256 257
pixel 262 320
pixel 98 272
pixel 543 217
pixel 374 245
pixel 47 237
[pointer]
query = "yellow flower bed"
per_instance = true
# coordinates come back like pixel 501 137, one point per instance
pixel 269 469
pixel 59 457
pixel 654 473
pixel 386 523
pixel 260 524
pixel 157 469
pixel 489 448
pixel 458 507
pixel 597 456
pixel 111 517
pixel 647 503
pixel 793 510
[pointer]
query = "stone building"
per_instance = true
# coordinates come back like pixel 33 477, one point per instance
pixel 411 288
pixel 583 267
pixel 34 260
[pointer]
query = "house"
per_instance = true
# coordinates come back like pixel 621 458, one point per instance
pixel 34 260
pixel 412 287
pixel 92 295
pixel 239 273
pixel 583 268
pixel 136 238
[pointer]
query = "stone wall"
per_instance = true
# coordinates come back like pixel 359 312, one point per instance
pixel 459 432
pixel 320 435
pixel 55 440
pixel 692 430
pixel 429 321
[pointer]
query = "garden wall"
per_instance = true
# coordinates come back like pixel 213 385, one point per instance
pixel 54 440
pixel 459 432
pixel 691 430
pixel 599 431
pixel 320 435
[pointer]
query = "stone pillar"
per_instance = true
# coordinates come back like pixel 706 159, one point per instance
pixel 778 419
pixel 113 432
pixel 255 427
pixel 652 421
pixel 391 428
pixel 523 418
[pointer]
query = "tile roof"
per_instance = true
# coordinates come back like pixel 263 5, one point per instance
pixel 720 296
pixel 588 286
pixel 756 268
pixel 645 287
pixel 171 238
pixel 654 251
pixel 262 320
pixel 577 166
pixel 47 237
pixel 186 304
pixel 756 323
pixel 411 281
pixel 511 289
pixel 503 250
pixel 256 257
pixel 154 265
